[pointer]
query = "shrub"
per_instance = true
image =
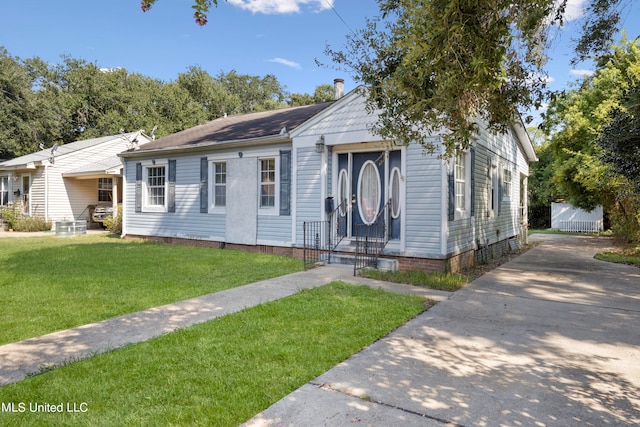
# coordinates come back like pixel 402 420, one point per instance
pixel 112 224
pixel 625 219
pixel 15 221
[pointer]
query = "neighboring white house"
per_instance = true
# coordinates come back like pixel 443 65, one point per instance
pixel 255 181
pixel 565 217
pixel 60 183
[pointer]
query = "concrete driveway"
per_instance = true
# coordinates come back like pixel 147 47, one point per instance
pixel 551 338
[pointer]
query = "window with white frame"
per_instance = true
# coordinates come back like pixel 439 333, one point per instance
pixel 460 181
pixel 267 183
pixel 506 183
pixel 219 182
pixel 4 190
pixel 156 188
pixel 105 189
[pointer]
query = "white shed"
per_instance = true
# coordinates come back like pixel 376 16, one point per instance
pixel 565 217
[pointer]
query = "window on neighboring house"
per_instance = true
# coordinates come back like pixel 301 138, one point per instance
pixel 268 183
pixel 506 183
pixel 219 170
pixel 105 189
pixel 460 181
pixel 156 188
pixel 4 190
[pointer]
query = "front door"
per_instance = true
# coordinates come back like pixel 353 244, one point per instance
pixel 367 186
pixel 26 187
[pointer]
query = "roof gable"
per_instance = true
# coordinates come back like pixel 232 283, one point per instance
pixel 349 112
pixel 66 149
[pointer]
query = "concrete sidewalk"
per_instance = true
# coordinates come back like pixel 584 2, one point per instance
pixel 19 359
pixel 551 338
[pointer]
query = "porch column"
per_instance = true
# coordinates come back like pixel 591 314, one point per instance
pixel 114 195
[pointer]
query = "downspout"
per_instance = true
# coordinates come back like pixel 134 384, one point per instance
pixel 124 197
pixel 46 193
pixel 444 200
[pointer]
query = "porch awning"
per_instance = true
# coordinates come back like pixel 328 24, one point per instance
pixel 111 166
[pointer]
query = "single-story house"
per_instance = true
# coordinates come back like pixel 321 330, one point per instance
pixel 259 181
pixel 62 182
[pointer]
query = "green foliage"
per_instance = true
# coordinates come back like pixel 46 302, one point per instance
pixel 594 140
pixel 625 217
pixel 451 64
pixel 630 256
pixel 223 372
pixel 50 104
pixel 114 224
pixel 16 221
pixel 541 189
pixel 620 138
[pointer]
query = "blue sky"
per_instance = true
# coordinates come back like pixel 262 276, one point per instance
pixel 257 37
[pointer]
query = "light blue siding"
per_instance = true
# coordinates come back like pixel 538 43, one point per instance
pixel 274 229
pixel 308 189
pixel 423 202
pixel 187 221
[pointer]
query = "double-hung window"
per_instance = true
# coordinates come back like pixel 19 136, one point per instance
pixel 4 190
pixel 460 182
pixel 267 183
pixel 156 188
pixel 219 184
pixel 506 183
pixel 105 189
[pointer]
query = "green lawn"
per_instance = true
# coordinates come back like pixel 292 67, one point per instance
pixel 219 373
pixel 434 280
pixel 627 255
pixel 48 284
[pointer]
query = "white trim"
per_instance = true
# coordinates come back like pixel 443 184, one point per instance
pixel 211 184
pixel 146 165
pixel 464 212
pixel 346 196
pixel 275 209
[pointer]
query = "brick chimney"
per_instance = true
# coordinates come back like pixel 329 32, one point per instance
pixel 338 88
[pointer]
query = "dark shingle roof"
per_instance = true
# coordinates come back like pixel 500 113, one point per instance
pixel 239 127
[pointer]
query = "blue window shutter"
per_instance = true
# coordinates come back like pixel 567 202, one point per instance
pixel 452 197
pixel 204 185
pixel 285 182
pixel 171 207
pixel 473 181
pixel 138 187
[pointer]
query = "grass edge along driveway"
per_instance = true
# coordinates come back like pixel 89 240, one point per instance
pixel 218 373
pixel 49 284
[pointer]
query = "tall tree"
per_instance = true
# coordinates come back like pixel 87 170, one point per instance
pixel 26 120
pixel 593 134
pixel 255 93
pixel 449 64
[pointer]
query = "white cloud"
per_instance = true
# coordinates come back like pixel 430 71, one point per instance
pixel 286 62
pixel 280 6
pixel 575 9
pixel 582 72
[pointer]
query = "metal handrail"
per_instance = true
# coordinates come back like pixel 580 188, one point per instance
pixel 370 245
